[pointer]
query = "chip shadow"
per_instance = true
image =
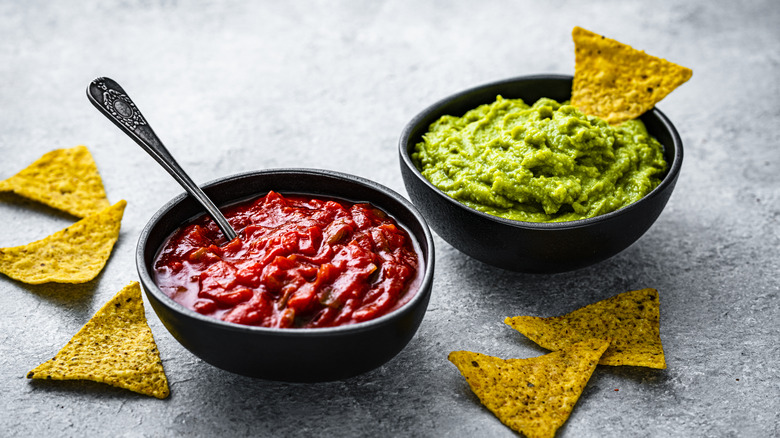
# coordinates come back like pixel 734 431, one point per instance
pixel 64 294
pixel 85 390
pixel 18 202
pixel 630 374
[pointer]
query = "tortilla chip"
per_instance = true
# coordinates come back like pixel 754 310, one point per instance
pixel 533 396
pixel 115 347
pixel 72 255
pixel 616 82
pixel 66 179
pixel 630 319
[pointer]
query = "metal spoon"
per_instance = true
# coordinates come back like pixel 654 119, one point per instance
pixel 114 103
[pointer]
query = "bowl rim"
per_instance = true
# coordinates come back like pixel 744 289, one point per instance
pixel 422 294
pixel 409 128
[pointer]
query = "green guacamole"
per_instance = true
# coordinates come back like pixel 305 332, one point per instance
pixel 542 163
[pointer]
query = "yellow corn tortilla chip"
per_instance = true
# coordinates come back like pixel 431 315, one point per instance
pixel 75 254
pixel 630 319
pixel 115 347
pixel 616 82
pixel 66 179
pixel 533 396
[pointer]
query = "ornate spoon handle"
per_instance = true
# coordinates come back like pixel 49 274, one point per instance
pixel 116 105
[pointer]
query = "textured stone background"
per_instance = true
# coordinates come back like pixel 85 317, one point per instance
pixel 233 86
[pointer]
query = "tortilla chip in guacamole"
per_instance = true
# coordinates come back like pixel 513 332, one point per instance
pixel 616 82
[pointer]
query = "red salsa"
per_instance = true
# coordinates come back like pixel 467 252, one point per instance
pixel 297 262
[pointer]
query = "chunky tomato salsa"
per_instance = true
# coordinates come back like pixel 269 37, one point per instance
pixel 297 262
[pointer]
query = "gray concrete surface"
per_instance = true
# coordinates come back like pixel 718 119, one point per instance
pixel 234 86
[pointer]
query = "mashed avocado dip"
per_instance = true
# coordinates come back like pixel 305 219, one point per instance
pixel 542 163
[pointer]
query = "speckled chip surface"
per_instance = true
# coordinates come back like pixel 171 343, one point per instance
pixel 533 396
pixel 65 179
pixel 115 347
pixel 630 319
pixel 616 82
pixel 75 254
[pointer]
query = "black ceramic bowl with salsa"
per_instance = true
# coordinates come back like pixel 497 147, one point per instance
pixel 539 247
pixel 340 291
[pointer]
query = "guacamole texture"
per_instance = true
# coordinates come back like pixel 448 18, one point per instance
pixel 546 162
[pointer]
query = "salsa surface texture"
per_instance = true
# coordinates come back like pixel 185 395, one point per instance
pixel 542 163
pixel 297 262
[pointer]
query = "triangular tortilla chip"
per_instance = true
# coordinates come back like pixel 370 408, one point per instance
pixel 616 82
pixel 533 396
pixel 630 319
pixel 115 347
pixel 66 179
pixel 72 255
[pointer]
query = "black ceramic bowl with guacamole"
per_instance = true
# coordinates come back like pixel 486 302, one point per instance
pixel 524 212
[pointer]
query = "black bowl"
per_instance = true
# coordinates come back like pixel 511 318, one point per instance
pixel 300 355
pixel 528 246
